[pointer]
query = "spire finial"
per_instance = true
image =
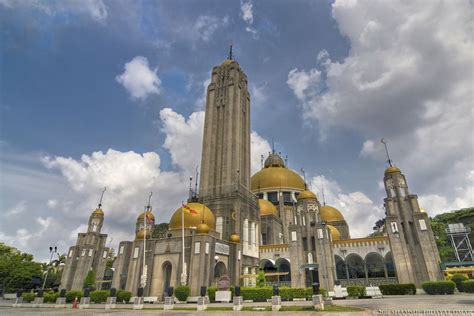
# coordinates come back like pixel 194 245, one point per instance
pixel 322 191
pixel 386 151
pixel 196 181
pixel 190 187
pixel 230 52
pixel 148 206
pixel 273 146
pixel 102 196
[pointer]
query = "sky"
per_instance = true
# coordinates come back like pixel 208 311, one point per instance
pixel 111 94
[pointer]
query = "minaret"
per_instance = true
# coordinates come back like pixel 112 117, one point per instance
pixel 225 166
pixel 412 242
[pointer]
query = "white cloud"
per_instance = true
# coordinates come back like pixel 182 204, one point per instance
pixel 201 101
pixel 52 203
pixel 258 95
pixel 96 9
pixel 138 79
pixel 246 11
pixel 20 207
pixel 408 77
pixel 359 210
pixel 206 25
pixel 259 146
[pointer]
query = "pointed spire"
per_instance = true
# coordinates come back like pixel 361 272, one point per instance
pixel 101 197
pixel 148 206
pixel 273 146
pixel 386 151
pixel 322 191
pixel 230 52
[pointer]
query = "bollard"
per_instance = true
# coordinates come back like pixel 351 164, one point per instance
pixel 138 301
pixel 38 299
pixel 112 299
pixel 61 300
pixel 201 303
pixel 19 299
pixel 276 299
pixel 169 299
pixel 238 300
pixel 85 300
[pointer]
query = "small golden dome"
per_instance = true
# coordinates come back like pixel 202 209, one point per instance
pixel 141 233
pixel 267 208
pixel 335 234
pixel 202 228
pixel 277 178
pixel 274 160
pixel 234 238
pixel 227 62
pixel 330 214
pixel 306 195
pixel 193 220
pixel 149 215
pixel 392 169
pixel 98 211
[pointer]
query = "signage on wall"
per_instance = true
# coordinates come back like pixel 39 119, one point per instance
pixel 222 248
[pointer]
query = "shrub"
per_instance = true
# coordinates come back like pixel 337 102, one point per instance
pixel 182 293
pixel 261 279
pixel 71 295
pixel 398 289
pixel 89 281
pixel 467 286
pixel 99 296
pixel 458 279
pixel 257 294
pixel 123 296
pixel 288 293
pixel 356 291
pixel 28 297
pixel 439 287
pixel 50 297
pixel 211 292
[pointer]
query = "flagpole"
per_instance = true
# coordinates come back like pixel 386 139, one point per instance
pixel 183 274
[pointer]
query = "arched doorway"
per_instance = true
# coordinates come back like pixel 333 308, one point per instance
pixel 390 266
pixel 166 270
pixel 374 264
pixel 355 266
pixel 220 270
pixel 340 268
pixel 267 265
pixel 283 266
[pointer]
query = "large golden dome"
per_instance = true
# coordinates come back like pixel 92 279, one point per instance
pixel 392 169
pixel 335 234
pixel 191 220
pixel 267 208
pixel 330 214
pixel 306 195
pixel 276 175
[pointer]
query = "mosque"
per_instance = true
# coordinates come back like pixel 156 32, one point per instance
pixel 238 225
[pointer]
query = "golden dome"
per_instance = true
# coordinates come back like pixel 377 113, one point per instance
pixel 330 214
pixel 149 215
pixel 227 62
pixel 202 228
pixel 335 234
pixel 267 208
pixel 276 178
pixel 191 220
pixel 306 195
pixel 392 169
pixel 141 233
pixel 422 210
pixel 98 211
pixel 234 238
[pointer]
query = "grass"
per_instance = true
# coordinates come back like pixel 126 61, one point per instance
pixel 296 308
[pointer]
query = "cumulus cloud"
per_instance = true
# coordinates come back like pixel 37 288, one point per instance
pixel 138 79
pixel 20 207
pixel 358 209
pixel 246 11
pixel 259 147
pixel 95 9
pixel 408 77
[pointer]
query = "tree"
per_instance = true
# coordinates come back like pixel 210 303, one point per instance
pixel 110 258
pixel 18 270
pixel 89 282
pixel 159 231
pixel 261 279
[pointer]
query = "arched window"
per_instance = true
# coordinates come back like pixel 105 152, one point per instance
pixel 220 270
pixel 374 264
pixel 355 266
pixel 166 270
pixel 283 266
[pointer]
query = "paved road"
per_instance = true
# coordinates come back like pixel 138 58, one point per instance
pixel 460 304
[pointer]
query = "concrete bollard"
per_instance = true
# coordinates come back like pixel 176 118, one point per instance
pixel 318 302
pixel 238 300
pixel 276 299
pixel 202 302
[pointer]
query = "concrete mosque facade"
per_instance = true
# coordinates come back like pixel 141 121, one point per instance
pixel 239 225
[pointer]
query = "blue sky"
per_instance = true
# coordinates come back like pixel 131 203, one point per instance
pixel 327 81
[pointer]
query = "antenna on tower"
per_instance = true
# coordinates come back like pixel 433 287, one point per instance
pixel 304 175
pixel 196 182
pixel 190 187
pixel 148 206
pixel 322 191
pixel 102 196
pixel 286 160
pixel 261 161
pixel 273 146
pixel 386 151
pixel 230 52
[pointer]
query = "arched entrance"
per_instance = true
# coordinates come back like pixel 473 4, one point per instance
pixel 220 270
pixel 340 268
pixel 355 266
pixel 166 271
pixel 374 264
pixel 283 267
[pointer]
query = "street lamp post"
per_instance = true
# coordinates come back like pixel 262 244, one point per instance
pixel 52 252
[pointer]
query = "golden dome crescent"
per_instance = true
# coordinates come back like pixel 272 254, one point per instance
pixel 191 220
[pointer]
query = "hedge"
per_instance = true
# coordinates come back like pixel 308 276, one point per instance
pixel 99 296
pixel 356 290
pixel 261 294
pixel 257 294
pixel 50 297
pixel 28 297
pixel 398 289
pixel 71 295
pixel 467 286
pixel 439 287
pixel 182 293
pixel 458 279
pixel 288 293
pixel 123 296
